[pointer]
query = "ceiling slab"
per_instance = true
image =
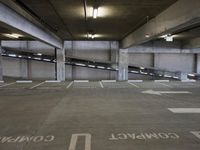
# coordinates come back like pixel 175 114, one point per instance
pixel 116 18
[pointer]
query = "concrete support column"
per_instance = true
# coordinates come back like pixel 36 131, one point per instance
pixel 24 68
pixel 69 52
pixel 60 64
pixel 198 64
pixel 123 65
pixel 1 68
pixel 155 60
pixel 114 54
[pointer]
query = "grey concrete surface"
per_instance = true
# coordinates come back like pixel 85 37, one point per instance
pixel 60 63
pixel 178 16
pixel 101 118
pixel 123 65
pixel 14 20
pixel 1 66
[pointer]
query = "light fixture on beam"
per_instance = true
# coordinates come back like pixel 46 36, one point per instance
pixel 91 36
pixel 13 35
pixel 39 54
pixel 95 12
pixel 168 37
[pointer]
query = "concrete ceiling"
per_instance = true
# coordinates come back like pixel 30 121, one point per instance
pixel 116 18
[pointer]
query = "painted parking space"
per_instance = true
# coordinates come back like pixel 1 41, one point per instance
pixel 179 84
pixel 97 118
pixel 85 85
pixel 152 84
pixel 114 85
pixel 51 85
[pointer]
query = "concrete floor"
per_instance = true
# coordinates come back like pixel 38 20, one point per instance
pixel 99 116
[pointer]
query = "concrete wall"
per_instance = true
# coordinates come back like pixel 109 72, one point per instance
pixel 146 60
pixel 38 70
pixel 98 50
pixel 176 62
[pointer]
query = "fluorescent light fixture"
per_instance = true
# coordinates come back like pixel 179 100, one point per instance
pixel 147 35
pixel 91 66
pixel 39 54
pixel 192 75
pixel 167 76
pixel 37 58
pixel 20 56
pixel 142 68
pixel 80 64
pixel 13 35
pixel 108 68
pixel 95 13
pixel 134 71
pixel 168 37
pixel 29 57
pixel 143 72
pixel 100 67
pixel 12 55
pixel 46 59
pixel 91 36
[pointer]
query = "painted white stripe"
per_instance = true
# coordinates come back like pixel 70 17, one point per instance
pixel 52 81
pixel 196 133
pixel 7 84
pixel 164 84
pixel 1 81
pixel 24 81
pixel 70 85
pixel 133 85
pixel 136 81
pixel 184 110
pixel 81 81
pixel 185 81
pixel 101 84
pixel 161 81
pixel 37 85
pixel 74 140
pixel 108 81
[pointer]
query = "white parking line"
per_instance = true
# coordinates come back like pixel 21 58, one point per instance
pixel 101 84
pixel 184 110
pixel 37 85
pixel 158 81
pixel 188 81
pixel 136 81
pixel 24 81
pixel 52 81
pixel 81 81
pixel 1 81
pixel 74 140
pixel 164 84
pixel 108 81
pixel 133 85
pixel 196 133
pixel 70 85
pixel 7 84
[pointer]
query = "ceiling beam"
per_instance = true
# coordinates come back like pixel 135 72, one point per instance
pixel 180 15
pixel 14 20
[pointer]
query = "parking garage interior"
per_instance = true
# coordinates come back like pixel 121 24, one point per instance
pixel 99 74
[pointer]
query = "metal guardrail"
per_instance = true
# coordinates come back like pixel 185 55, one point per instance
pixel 97 64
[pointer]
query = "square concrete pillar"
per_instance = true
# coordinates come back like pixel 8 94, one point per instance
pixel 24 68
pixel 198 64
pixel 68 45
pixel 123 65
pixel 60 64
pixel 114 54
pixel 1 67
